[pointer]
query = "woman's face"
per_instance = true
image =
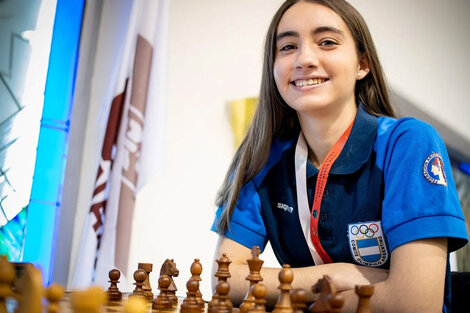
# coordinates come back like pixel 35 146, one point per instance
pixel 316 64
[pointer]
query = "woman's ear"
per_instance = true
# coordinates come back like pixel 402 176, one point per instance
pixel 363 68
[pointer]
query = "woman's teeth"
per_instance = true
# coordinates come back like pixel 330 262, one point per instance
pixel 309 82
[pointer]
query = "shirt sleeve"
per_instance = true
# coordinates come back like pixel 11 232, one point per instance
pixel 420 198
pixel 246 225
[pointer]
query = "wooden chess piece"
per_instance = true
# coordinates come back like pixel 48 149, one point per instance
pixel 163 302
pixel 190 303
pixel 90 300
pixel 222 274
pixel 364 293
pixel 7 277
pixel 30 290
pixel 221 305
pixel 113 292
pixel 139 277
pixel 254 264
pixel 196 270
pixel 169 268
pixel 326 289
pixel 136 305
pixel 54 293
pixel 286 276
pixel 259 292
pixel 336 303
pixel 147 267
pixel 298 298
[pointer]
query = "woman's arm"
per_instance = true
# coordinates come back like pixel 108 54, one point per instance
pixel 344 275
pixel 415 282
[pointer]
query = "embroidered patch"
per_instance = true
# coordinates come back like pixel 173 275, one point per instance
pixel 367 243
pixel 433 169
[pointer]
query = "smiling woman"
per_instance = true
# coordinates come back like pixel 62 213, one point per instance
pixel 325 142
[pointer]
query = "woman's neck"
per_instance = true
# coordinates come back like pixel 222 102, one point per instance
pixel 323 129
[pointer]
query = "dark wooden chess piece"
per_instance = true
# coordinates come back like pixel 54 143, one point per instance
pixel 139 277
pixel 190 303
pixel 147 267
pixel 113 292
pixel 163 302
pixel 169 268
pixel 254 264
pixel 286 276
pixel 326 290
pixel 196 270
pixel 298 298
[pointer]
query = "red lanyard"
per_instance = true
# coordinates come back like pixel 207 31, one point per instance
pixel 320 189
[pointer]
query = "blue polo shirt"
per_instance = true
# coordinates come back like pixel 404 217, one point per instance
pixel 391 184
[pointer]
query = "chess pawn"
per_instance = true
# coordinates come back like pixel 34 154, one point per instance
pixel 139 277
pixel 162 302
pixel 254 264
pixel 147 267
pixel 54 293
pixel 336 303
pixel 220 304
pixel 7 277
pixel 113 291
pixel 196 270
pixel 90 300
pixel 259 292
pixel 286 276
pixel 298 298
pixel 190 303
pixel 364 293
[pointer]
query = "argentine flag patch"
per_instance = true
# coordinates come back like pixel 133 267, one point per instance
pixel 367 243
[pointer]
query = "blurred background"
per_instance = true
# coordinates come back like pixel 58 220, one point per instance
pixel 119 118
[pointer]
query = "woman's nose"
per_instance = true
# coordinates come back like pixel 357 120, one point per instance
pixel 306 58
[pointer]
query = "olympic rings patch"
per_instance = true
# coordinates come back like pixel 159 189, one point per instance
pixel 367 243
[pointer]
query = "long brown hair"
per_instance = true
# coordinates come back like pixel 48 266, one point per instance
pixel 274 118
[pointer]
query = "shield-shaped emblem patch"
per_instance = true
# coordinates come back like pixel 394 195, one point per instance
pixel 367 243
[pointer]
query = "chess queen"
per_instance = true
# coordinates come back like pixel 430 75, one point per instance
pixel 332 179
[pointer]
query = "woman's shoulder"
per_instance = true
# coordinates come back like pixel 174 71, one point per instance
pixel 405 128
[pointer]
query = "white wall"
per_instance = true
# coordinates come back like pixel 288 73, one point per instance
pixel 215 52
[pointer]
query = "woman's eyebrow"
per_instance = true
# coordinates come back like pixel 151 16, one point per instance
pixel 317 30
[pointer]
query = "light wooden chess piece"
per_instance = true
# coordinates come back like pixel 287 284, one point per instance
pixel 147 267
pixel 254 264
pixel 196 270
pixel 219 299
pixel 136 305
pixel 7 277
pixel 90 300
pixel 30 290
pixel 54 293
pixel 286 276
pixel 364 293
pixel 259 291
pixel 113 291
pixel 222 274
pixel 163 302
pixel 298 298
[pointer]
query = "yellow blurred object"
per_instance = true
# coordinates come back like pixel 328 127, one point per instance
pixel 241 115
pixel 136 304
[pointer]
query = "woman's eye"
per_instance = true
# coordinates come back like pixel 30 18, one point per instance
pixel 287 48
pixel 328 43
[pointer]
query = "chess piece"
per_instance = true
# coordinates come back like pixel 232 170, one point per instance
pixel 220 299
pixel 7 277
pixel 222 274
pixel 139 277
pixel 196 270
pixel 286 276
pixel 113 291
pixel 136 305
pixel 169 268
pixel 190 303
pixel 259 292
pixel 326 289
pixel 336 303
pixel 90 300
pixel 163 302
pixel 30 290
pixel 298 298
pixel 147 267
pixel 254 264
pixel 54 293
pixel 364 293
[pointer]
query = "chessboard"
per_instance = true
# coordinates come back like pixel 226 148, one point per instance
pixel 21 291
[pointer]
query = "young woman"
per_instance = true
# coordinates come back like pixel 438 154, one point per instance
pixel 329 176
